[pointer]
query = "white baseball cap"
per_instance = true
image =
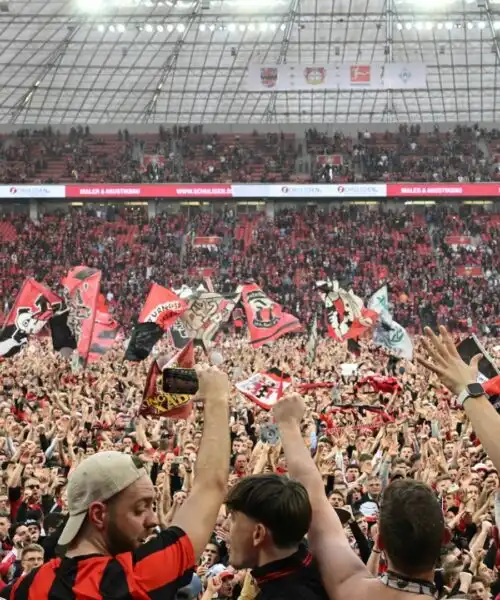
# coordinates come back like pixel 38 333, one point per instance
pixel 97 479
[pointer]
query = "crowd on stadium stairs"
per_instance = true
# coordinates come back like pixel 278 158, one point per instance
pixel 285 257
pixel 188 154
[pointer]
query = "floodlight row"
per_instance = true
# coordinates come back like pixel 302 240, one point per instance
pixel 181 27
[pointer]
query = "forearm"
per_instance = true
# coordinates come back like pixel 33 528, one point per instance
pixel 301 465
pixel 212 464
pixel 486 423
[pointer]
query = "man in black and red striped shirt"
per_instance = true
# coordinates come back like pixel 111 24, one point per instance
pixel 111 498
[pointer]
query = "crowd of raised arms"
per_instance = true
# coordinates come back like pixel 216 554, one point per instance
pixel 371 476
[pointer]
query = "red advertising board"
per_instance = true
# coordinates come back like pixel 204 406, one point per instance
pixel 442 189
pixel 154 190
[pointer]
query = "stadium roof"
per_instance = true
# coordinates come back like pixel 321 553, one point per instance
pixel 185 61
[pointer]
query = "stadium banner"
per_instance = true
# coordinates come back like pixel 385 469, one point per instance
pixel 443 189
pixel 310 190
pixel 339 76
pixel 152 190
pixel 335 160
pixel 22 191
pixel 470 271
pixel 105 334
pixel 211 242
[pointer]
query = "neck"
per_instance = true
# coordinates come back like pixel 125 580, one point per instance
pixel 270 555
pixel 427 576
pixel 85 547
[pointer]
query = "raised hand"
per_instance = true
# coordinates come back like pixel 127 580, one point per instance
pixel 452 371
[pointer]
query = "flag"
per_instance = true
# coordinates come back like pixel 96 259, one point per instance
pixel 207 312
pixel 388 334
pixel 161 309
pixel 157 403
pixel 346 315
pixel 31 311
pixel 393 337
pixel 265 388
pixel 312 342
pixel 379 383
pixel 379 301
pixel 81 288
pixel 266 319
pixel 60 332
pixel 354 347
pixel 105 333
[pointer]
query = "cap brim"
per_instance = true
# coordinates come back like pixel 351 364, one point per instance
pixel 71 529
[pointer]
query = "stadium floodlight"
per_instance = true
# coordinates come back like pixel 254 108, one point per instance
pixel 159 28
pixel 263 26
pixel 409 26
pixel 231 27
pixel 181 27
pixel 120 28
pixel 170 28
pixel 212 27
pixel 440 26
pixel 419 25
pixel 481 24
pixel 273 26
pixel 496 25
pixel 100 28
pixel 429 25
pixel 148 27
pixel 112 28
pixel 282 26
pixel 202 26
pixel 470 25
pixel 242 27
pixel 251 27
pixel 448 25
pixel 399 26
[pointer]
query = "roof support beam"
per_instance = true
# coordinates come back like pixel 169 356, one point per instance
pixel 52 63
pixel 485 5
pixel 389 110
pixel 270 111
pixel 170 63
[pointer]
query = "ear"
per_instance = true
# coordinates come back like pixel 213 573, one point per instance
pixel 259 534
pixel 98 515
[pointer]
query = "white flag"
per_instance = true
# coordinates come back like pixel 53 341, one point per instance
pixel 388 334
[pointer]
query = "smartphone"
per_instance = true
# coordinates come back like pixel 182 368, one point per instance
pixel 471 346
pixel 180 381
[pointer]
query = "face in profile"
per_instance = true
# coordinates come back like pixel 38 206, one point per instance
pixel 129 519
pixel 245 537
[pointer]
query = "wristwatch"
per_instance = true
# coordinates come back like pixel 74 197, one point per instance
pixel 473 390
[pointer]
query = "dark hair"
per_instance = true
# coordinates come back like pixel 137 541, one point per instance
pixel 280 504
pixel 411 526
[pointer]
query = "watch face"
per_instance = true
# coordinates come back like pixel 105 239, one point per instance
pixel 475 389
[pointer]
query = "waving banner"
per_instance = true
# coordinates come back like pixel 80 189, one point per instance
pixel 81 289
pixel 161 309
pixel 207 312
pixel 105 334
pixel 346 315
pixel 266 319
pixel 31 311
pixel 266 388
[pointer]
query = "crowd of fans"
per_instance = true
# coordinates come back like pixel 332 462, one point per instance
pixel 361 248
pixel 52 418
pixel 188 154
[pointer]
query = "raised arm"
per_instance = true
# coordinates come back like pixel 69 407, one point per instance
pixel 456 375
pixel 198 514
pixel 338 563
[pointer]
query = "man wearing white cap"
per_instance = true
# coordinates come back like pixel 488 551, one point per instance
pixel 111 498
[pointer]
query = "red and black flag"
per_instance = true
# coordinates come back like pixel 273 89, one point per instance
pixel 266 319
pixel 265 388
pixel 30 313
pixel 81 291
pixel 160 311
pixel 105 334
